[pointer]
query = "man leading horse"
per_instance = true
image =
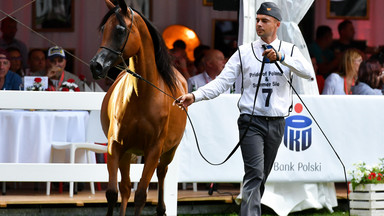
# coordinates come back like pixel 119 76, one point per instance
pixel 265 66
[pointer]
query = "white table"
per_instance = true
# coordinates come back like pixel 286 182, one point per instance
pixel 26 136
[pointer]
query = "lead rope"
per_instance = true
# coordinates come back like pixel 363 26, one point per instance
pixel 325 136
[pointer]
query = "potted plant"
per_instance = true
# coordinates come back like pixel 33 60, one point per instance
pixel 367 189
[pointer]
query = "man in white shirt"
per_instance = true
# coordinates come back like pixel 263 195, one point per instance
pixel 214 62
pixel 265 99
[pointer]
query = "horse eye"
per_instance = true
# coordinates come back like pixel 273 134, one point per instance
pixel 120 29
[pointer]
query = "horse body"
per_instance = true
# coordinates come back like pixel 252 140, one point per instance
pixel 144 123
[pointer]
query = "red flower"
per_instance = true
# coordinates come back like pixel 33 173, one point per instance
pixel 77 89
pixel 65 89
pixel 37 79
pixel 71 80
pixel 82 77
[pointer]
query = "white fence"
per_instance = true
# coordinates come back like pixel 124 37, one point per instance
pixel 65 172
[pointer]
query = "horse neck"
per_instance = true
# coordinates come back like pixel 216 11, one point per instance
pixel 146 63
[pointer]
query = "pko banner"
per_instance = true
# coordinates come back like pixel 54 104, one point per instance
pixel 319 130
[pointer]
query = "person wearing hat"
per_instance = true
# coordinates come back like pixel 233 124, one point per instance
pixel 58 76
pixel 265 100
pixel 8 80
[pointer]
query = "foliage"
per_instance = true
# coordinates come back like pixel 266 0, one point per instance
pixel 367 174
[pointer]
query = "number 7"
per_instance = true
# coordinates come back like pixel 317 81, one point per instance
pixel 269 93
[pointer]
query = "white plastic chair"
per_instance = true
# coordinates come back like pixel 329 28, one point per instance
pixel 94 134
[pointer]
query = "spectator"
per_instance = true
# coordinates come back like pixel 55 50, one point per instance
pixel 9 30
pixel 36 62
pixel 198 54
pixel 320 49
pixel 180 62
pixel 370 79
pixel 8 80
pixel 16 61
pixel 341 83
pixel 319 79
pixel 346 40
pixel 180 59
pixel 213 62
pixel 179 44
pixel 59 79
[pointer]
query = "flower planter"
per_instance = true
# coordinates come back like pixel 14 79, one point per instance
pixel 367 200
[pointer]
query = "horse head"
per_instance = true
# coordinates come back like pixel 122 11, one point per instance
pixel 119 38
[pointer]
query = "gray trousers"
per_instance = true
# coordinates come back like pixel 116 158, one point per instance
pixel 259 148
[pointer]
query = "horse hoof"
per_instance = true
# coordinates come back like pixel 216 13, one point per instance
pixel 160 212
pixel 111 196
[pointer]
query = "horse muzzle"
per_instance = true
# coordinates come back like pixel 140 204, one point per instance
pixel 99 66
pixel 97 70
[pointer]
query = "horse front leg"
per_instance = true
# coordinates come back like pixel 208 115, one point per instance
pixel 112 194
pixel 125 184
pixel 162 169
pixel 151 161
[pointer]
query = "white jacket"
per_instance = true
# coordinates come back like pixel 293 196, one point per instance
pixel 274 97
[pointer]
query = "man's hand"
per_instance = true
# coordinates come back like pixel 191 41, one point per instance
pixel 272 55
pixel 54 72
pixel 184 100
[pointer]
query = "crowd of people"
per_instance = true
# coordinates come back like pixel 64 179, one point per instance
pixel 206 67
pixel 346 66
pixel 16 63
pixel 336 62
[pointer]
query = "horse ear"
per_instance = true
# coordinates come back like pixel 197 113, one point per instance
pixel 110 5
pixel 123 6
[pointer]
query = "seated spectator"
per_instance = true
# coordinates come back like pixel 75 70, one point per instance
pixel 319 79
pixel 180 62
pixel 214 62
pixel 346 40
pixel 198 54
pixel 179 44
pixel 9 30
pixel 8 80
pixel 327 62
pixel 59 79
pixel 16 61
pixel 180 59
pixel 370 79
pixel 340 83
pixel 36 63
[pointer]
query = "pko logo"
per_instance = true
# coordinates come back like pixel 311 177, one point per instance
pixel 298 131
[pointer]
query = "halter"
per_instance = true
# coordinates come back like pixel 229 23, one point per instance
pixel 118 15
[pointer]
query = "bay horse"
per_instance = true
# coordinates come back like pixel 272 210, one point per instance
pixel 136 117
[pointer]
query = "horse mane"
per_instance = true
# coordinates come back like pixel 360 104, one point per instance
pixel 163 59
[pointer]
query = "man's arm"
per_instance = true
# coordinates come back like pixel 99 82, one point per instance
pixel 299 64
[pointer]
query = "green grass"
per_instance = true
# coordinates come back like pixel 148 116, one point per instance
pixel 266 212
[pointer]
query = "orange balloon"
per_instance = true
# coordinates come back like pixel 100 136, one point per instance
pixel 179 32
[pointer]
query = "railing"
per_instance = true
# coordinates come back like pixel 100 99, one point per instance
pixel 65 172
